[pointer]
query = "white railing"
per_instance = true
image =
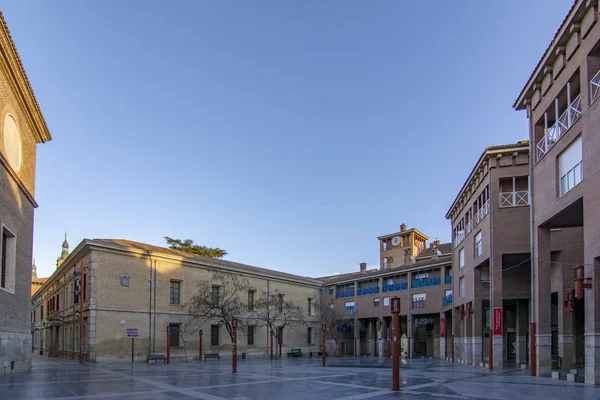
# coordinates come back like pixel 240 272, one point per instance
pixel 460 236
pixel 469 227
pixel 565 121
pixel 513 199
pixel 595 87
pixel 481 213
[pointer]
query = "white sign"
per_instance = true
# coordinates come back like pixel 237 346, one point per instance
pixel 122 322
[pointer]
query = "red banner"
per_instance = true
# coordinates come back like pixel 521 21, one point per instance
pixel 442 327
pixel 498 321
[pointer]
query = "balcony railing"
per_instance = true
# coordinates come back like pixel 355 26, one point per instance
pixel 418 304
pixel 366 291
pixel 468 227
pixel 513 199
pixel 448 279
pixel 482 212
pixel 344 293
pixel 392 287
pixel 595 87
pixel 460 236
pixel 421 283
pixel 447 300
pixel 566 120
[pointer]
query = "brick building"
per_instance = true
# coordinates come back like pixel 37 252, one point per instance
pixel 561 100
pixel 420 276
pixel 22 127
pixel 129 285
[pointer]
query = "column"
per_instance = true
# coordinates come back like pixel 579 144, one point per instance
pixel 411 334
pixel 543 299
pixel 496 302
pixel 442 334
pixel 468 340
pixel 356 344
pixel 592 316
pixel 522 327
pixel 91 299
pixel 381 338
pixel 477 329
pixel 566 345
pixel 436 337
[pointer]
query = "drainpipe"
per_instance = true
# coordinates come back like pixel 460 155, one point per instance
pixel 154 305
pixel 491 269
pixel 532 323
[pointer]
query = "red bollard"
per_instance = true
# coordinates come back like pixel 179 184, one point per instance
pixel 395 353
pixel 323 347
pixel 200 346
pixel 272 333
pixel 234 338
pixel 168 344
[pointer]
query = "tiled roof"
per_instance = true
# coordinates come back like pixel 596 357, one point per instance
pixel 46 134
pixel 515 105
pixel 444 248
pixel 130 244
pixel 520 143
pixel 39 281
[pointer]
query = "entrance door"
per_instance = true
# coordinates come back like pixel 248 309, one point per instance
pixel 343 350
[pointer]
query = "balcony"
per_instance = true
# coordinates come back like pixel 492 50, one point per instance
pixel 469 227
pixel 482 212
pixel 447 300
pixel 419 304
pixel 514 199
pixel 367 291
pixel 595 87
pixel 344 293
pixel 448 279
pixel 392 287
pixel 421 283
pixel 460 236
pixel 566 120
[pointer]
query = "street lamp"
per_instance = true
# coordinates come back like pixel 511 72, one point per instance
pixel 234 325
pixel 395 333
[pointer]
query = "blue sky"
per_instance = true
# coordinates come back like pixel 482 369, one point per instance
pixel 290 133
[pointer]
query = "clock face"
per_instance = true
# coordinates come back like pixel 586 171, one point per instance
pixel 396 240
pixel 12 142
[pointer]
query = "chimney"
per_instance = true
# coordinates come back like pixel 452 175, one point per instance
pixel 403 227
pixel 408 257
pixel 363 267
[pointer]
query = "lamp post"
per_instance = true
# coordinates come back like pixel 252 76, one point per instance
pixel 323 347
pixel 200 346
pixel 234 323
pixel 168 344
pixel 395 333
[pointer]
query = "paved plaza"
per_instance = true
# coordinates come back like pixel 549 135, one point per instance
pixel 281 379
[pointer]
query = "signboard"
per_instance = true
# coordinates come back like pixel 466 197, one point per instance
pixel 423 321
pixel 442 327
pixel 498 321
pixel 132 332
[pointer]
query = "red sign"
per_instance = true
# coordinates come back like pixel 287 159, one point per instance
pixel 442 327
pixel 498 321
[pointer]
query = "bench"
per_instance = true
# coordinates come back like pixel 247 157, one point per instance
pixel 212 355
pixel 295 353
pixel 156 357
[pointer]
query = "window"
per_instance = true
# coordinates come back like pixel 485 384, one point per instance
pixel 384 244
pixel 280 335
pixel 385 263
pixel 8 259
pixel 174 290
pixel 461 258
pixel 331 290
pixel 419 300
pixel 478 244
pixel 215 296
pixel 214 335
pixel 376 302
pixel 447 292
pixel 484 274
pixel 331 306
pixel 250 335
pixel 311 309
pixel 570 167
pixel 309 335
pixel 386 301
pixel 251 300
pixel 42 311
pixel 461 286
pixel 174 334
pixel 350 308
pixel 280 302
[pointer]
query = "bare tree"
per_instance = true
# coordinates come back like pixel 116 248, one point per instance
pixel 335 322
pixel 188 328
pixel 273 311
pixel 220 300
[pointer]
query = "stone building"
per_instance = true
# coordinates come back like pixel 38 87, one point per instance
pixel 561 100
pixel 131 285
pixel 22 127
pixel 420 276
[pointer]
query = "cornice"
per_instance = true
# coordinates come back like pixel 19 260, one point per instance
pixel 14 176
pixel 15 71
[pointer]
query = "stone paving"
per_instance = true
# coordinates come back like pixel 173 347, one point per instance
pixel 301 378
